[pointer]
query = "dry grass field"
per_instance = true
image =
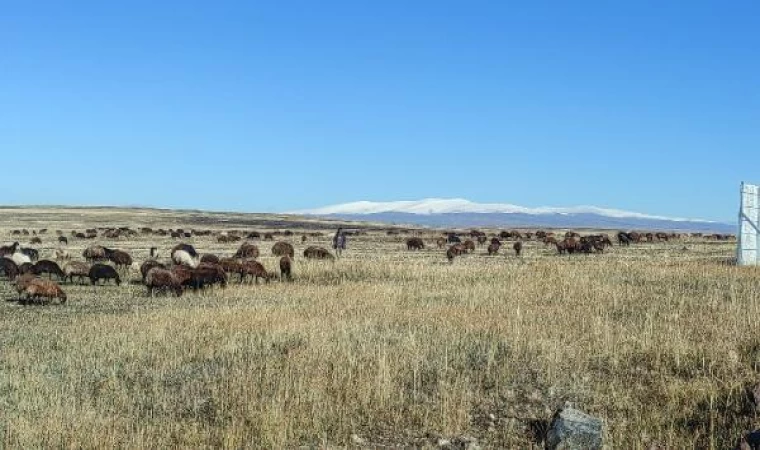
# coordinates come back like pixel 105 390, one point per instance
pixel 384 347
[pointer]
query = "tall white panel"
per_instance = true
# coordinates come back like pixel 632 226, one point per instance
pixel 749 225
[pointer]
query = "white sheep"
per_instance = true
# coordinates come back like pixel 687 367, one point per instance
pixel 20 258
pixel 183 258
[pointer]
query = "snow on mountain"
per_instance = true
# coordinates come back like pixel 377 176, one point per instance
pixel 431 206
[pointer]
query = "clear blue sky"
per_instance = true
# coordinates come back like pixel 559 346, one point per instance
pixel 646 106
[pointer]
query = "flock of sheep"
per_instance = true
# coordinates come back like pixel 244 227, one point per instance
pixel 34 277
pixel 188 269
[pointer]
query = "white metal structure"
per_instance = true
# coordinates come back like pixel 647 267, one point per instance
pixel 748 250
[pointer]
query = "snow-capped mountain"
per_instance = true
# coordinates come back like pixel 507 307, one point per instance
pixel 459 212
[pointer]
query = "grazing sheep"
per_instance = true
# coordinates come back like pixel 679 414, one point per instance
pixel 210 258
pixel 454 251
pixel 9 268
pixel 120 258
pixel 103 272
pixel 283 249
pixel 286 268
pixel 517 248
pixel 493 248
pixel 23 281
pixel 49 267
pixel 39 289
pixel 183 258
pixel 63 240
pixel 20 258
pixel 185 247
pixel 247 251
pixel 469 246
pixel 62 255
pixel 159 278
pixel 482 239
pixel 25 268
pixel 268 237
pixel 95 253
pixel 149 264
pixel 255 269
pixel 317 253
pixel 8 249
pixel 232 265
pixel 78 269
pixel 33 254
pixel 35 240
pixel 415 243
pixel 207 275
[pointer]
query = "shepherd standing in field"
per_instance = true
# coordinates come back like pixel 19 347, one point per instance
pixel 339 242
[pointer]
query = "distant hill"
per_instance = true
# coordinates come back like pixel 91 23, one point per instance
pixel 460 213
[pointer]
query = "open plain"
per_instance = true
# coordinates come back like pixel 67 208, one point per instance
pixel 381 347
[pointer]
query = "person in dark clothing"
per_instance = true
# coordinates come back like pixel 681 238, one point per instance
pixel 339 241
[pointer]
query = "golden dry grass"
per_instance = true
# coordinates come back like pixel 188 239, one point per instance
pixel 397 347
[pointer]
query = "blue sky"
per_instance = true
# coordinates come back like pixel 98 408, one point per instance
pixel 645 106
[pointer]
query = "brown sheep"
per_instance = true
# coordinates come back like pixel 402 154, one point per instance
pixel 304 238
pixel 286 268
pixel 49 267
pixel 415 243
pixel 469 246
pixel 255 269
pixel 493 249
pixel 95 253
pixel 268 237
pixel 207 275
pixel 247 251
pixel 23 281
pixel 482 239
pixel 9 268
pixel 283 249
pixel 517 248
pixel 159 278
pixel 44 289
pixel 317 253
pixel 120 258
pixel 210 258
pixel 35 240
pixel 440 242
pixel 77 269
pixel 454 251
pixel 148 265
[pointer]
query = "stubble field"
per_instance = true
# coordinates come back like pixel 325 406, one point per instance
pixel 383 347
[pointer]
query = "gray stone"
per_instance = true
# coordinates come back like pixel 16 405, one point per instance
pixel 572 429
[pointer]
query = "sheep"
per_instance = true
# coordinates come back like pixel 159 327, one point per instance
pixel 247 251
pixel 183 258
pixel 493 248
pixel 8 249
pixel 286 268
pixel 95 253
pixel 9 268
pixel 47 289
pixel 63 240
pixel 148 265
pixel 103 272
pixel 20 258
pixel 25 268
pixel 210 258
pixel 317 253
pixel 35 240
pixel 162 279
pixel 23 282
pixel 49 267
pixel 255 269
pixel 62 255
pixel 77 269
pixel 120 258
pixel 207 275
pixel 283 249
pixel 185 247
pixel 517 248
